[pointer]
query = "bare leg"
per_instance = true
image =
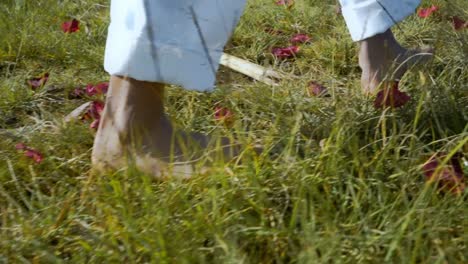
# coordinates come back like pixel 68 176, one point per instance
pixel 382 58
pixel 134 129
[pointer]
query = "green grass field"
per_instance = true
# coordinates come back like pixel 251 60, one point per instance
pixel 339 181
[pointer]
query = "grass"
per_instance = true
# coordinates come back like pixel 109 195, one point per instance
pixel 340 182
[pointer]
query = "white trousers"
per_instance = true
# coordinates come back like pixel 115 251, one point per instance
pixel 366 18
pixel 181 41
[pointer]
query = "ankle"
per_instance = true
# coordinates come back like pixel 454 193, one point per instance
pixel 133 107
pixel 140 96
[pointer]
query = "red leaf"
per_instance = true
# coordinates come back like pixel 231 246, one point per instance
pixel 300 38
pixel 30 152
pixel 20 146
pixel 35 155
pixel 71 26
pixel 458 23
pixel 102 88
pixel 90 90
pixel 426 12
pixel 284 53
pixel 316 89
pixel 223 115
pixel 96 108
pixel 450 177
pixel 391 97
pixel 38 82
pixel 94 113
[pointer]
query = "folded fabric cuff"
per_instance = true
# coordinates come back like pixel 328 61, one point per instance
pixel 164 63
pixel 367 18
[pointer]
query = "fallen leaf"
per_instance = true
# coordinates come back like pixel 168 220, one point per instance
pixel 30 152
pixel 94 113
pixel 71 26
pixel 450 177
pixel 38 82
pixel 458 23
pixel 284 53
pixel 20 146
pixel 224 115
pixel 300 38
pixel 426 12
pixel 391 97
pixel 90 90
pixel 316 89
pixel 35 155
pixel 95 109
pixel 102 87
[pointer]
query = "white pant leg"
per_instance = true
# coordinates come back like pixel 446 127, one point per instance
pixel 366 18
pixel 175 53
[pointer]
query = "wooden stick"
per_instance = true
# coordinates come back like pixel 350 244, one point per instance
pixel 77 113
pixel 250 69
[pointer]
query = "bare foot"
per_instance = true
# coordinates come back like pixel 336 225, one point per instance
pixel 134 130
pixel 382 58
